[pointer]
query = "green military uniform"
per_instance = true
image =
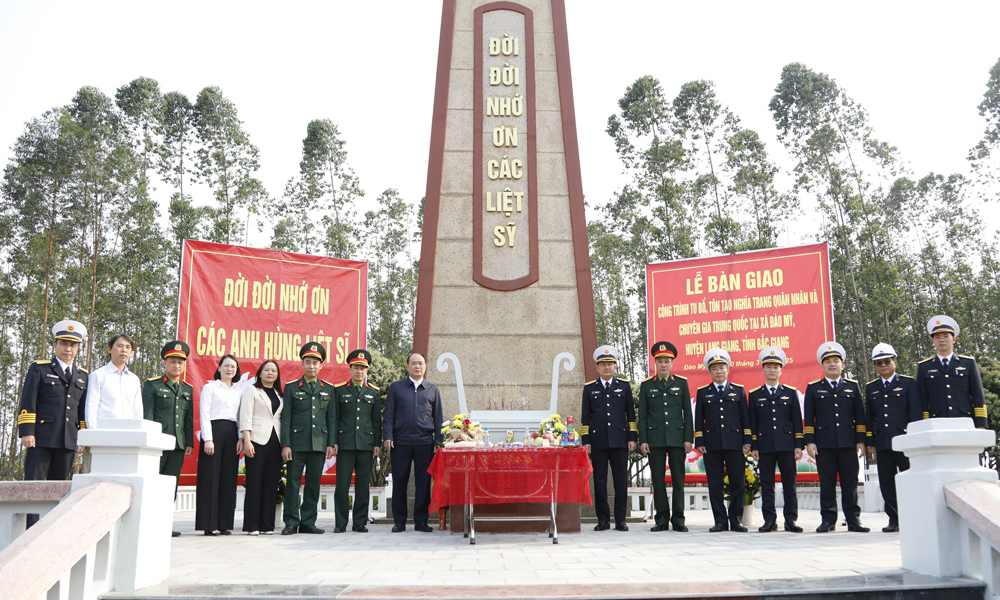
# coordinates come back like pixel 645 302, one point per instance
pixel 665 422
pixel 306 422
pixel 357 434
pixel 171 405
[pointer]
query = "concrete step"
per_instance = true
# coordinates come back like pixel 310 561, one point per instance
pixel 893 585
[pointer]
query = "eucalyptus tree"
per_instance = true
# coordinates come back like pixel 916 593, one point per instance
pixel 983 156
pixel 226 162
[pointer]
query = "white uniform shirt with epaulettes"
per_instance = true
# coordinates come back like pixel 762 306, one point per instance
pixel 889 410
pixel 721 420
pixel 834 419
pixel 52 404
pixel 775 419
pixel 952 391
pixel 358 417
pixel 607 417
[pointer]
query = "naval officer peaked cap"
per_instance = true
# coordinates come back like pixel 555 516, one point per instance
pixel 883 351
pixel 772 355
pixel 73 331
pixel 827 349
pixel 175 348
pixel 606 354
pixel 360 357
pixel 663 349
pixel 717 356
pixel 943 323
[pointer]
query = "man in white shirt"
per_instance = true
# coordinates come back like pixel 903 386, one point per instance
pixel 113 391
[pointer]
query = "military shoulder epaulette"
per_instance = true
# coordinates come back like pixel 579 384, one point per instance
pixel 705 386
pixel 83 370
pixel 650 378
pixel 155 378
pixel 756 388
pixel 851 380
pixel 373 386
pixel 736 385
pixel 925 360
pixel 904 376
pixel 43 362
pixel 327 383
pixel 791 387
pixel 817 381
pixel 342 384
pixel 872 381
pixel 972 358
pixel 590 382
pixel 679 377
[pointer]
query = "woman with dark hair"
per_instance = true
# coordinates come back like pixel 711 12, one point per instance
pixel 260 422
pixel 219 451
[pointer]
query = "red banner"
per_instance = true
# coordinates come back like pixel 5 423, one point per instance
pixel 743 303
pixel 261 304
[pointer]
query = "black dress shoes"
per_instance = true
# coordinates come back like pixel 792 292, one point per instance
pixel 423 527
pixel 825 527
pixel 737 527
pixel 399 527
pixel 360 528
pixel 339 528
pixel 309 529
pixel 659 527
pixel 680 528
pixel 768 526
pixel 211 533
pixel 891 528
pixel 175 534
pixel 718 527
pixel 602 526
pixel 225 532
pixel 857 527
pixel 289 530
pixel 791 526
pixel 621 527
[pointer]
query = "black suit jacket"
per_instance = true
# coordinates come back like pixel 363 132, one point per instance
pixel 834 419
pixel 608 418
pixel 953 392
pixel 776 421
pixel 721 422
pixel 52 405
pixel 889 411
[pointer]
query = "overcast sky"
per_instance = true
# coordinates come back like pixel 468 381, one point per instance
pixel 369 66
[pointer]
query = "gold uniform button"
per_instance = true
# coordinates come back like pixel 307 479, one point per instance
pixel 314 425
pixel 609 424
pixel 888 425
pixel 666 422
pixel 838 424
pixel 359 427
pixel 946 377
pixel 836 414
pixel 950 408
pixel 67 418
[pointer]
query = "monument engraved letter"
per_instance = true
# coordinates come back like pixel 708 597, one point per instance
pixel 505 283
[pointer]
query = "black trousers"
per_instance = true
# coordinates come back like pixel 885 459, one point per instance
pixel 890 462
pixel 618 459
pixel 831 463
pixel 402 457
pixel 215 506
pixel 658 458
pixel 718 465
pixel 262 474
pixel 785 461
pixel 41 464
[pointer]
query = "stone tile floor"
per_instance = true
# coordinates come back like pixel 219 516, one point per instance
pixel 440 558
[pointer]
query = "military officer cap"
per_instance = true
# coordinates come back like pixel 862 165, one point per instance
pixel 313 350
pixel 827 349
pixel 69 330
pixel 663 349
pixel 943 323
pixel 606 354
pixel 175 348
pixel 883 351
pixel 772 355
pixel 717 356
pixel 359 357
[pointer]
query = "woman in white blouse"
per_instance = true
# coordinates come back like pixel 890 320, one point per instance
pixel 260 422
pixel 219 451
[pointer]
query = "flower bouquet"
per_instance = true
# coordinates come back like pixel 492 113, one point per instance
pixel 549 432
pixel 751 481
pixel 460 432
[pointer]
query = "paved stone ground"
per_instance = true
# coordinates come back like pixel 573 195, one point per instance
pixel 430 559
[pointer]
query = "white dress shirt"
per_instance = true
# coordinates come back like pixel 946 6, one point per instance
pixel 218 401
pixel 112 394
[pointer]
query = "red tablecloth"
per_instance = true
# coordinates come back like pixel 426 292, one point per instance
pixel 503 475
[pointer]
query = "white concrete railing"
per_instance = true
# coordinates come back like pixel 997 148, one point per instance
pixel 949 505
pixel 18 499
pixel 187 496
pixel 696 498
pixel 111 533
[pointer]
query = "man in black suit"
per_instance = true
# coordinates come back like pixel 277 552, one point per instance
pixel 722 436
pixel 891 403
pixel 608 432
pixel 949 385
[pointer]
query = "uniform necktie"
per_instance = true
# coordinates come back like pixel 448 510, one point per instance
pixel 67 373
pixel 885 384
pixel 834 385
pixel 607 386
pixel 720 389
pixel 772 390
pixel 944 363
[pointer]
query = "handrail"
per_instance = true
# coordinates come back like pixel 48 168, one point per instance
pixel 978 503
pixel 73 527
pixel 34 491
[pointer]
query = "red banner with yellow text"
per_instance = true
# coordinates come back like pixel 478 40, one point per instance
pixel 743 303
pixel 261 304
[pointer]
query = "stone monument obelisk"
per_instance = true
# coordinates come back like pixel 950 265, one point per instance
pixel 504 281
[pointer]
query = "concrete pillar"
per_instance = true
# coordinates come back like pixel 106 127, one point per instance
pixel 128 451
pixel 941 451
